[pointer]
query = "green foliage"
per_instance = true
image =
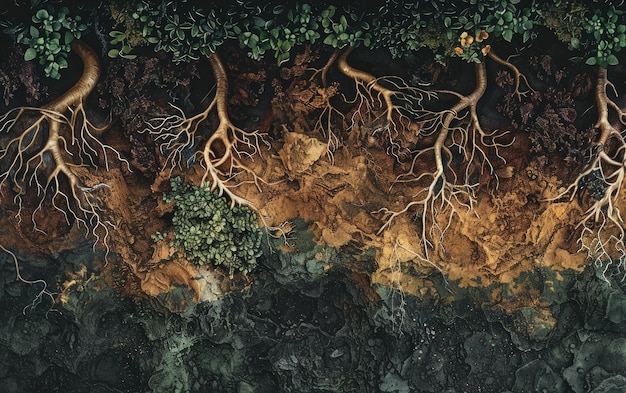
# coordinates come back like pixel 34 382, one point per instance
pixel 260 34
pixel 473 50
pixel 187 35
pixel 502 18
pixel 567 20
pixel 138 26
pixel 302 27
pixel 189 32
pixel 49 39
pixel 607 35
pixel 408 29
pixel 207 230
pixel 342 27
pixel 193 35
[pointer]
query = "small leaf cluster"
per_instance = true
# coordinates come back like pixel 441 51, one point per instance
pixel 402 34
pixel 344 28
pixel 207 230
pixel 607 30
pixel 566 19
pixel 138 27
pixel 260 34
pixel 503 18
pixel 279 29
pixel 187 34
pixel 407 28
pixel 49 39
pixel 302 27
pixel 195 34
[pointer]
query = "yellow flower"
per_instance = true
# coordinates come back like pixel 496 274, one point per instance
pixel 482 36
pixel 469 40
pixel 463 34
pixel 486 50
pixel 458 51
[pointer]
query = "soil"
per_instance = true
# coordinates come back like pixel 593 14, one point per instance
pixel 339 191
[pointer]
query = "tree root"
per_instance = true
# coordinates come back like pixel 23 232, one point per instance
pixel 458 131
pixel 44 292
pixel 43 149
pixel 603 232
pixel 399 102
pixel 223 152
pixel 517 75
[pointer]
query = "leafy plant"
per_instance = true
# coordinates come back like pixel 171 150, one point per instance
pixel 278 30
pixel 187 35
pixel 343 28
pixel 501 18
pixel 207 230
pixel 260 34
pixel 49 39
pixel 198 33
pixel 566 19
pixel 607 32
pixel 138 26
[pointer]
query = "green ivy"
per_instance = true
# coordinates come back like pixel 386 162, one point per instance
pixel 49 39
pixel 207 230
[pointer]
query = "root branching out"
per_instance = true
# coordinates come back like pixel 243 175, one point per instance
pixel 602 226
pixel 223 153
pixel 50 142
pixel 459 137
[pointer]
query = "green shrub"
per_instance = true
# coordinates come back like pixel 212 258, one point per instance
pixel 48 39
pixel 207 230
pixel 607 36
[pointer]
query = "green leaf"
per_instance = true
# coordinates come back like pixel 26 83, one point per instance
pixel 34 33
pixel 612 60
pixel 62 62
pixel 69 37
pixel 41 15
pixel 591 61
pixel 344 22
pixel 507 35
pixel 30 54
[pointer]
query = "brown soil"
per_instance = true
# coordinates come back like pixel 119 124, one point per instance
pixel 511 230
